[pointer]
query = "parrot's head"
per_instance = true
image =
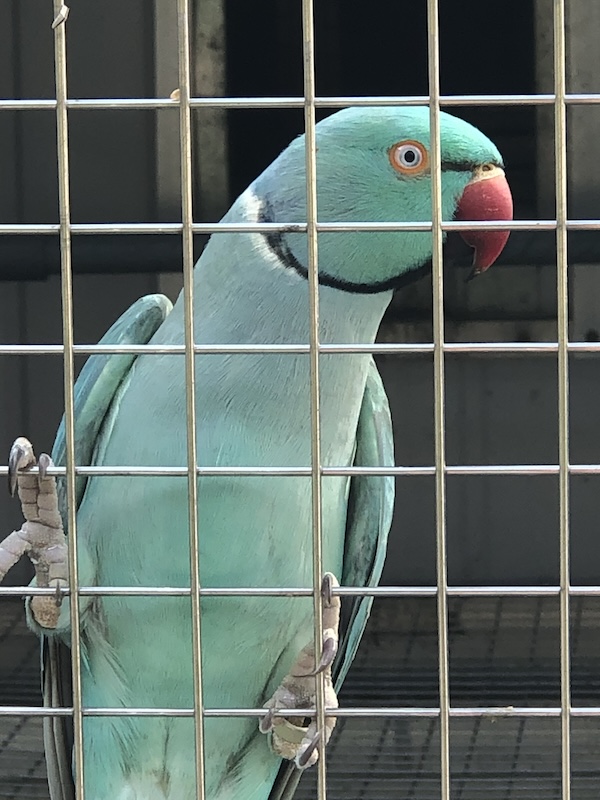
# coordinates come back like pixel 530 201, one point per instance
pixel 374 165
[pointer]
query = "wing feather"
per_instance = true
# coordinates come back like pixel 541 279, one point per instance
pixel 370 509
pixel 95 390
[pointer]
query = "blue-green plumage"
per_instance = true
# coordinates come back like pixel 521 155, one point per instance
pixel 252 410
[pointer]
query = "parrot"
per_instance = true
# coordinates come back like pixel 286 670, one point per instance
pixel 253 409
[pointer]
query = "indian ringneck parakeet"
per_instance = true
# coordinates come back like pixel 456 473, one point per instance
pixel 253 410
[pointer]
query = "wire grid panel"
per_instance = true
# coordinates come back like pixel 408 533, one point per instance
pixel 504 651
pixel 442 715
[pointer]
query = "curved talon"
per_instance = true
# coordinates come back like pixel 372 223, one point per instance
pixel 21 458
pixel 266 723
pixel 304 757
pixel 44 462
pixel 12 480
pixel 58 595
pixel 327 656
pixel 327 588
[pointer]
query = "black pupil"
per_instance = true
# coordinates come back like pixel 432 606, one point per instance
pixel 410 156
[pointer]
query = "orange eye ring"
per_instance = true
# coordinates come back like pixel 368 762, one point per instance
pixel 409 157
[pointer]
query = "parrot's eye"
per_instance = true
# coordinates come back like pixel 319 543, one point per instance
pixel 408 157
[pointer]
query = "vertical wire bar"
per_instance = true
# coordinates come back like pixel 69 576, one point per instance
pixel 560 155
pixel 439 391
pixel 62 152
pixel 313 286
pixel 185 144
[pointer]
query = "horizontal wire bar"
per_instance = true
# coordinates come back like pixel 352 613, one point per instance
pixel 162 228
pixel 267 591
pixel 150 103
pixel 400 348
pixel 276 472
pixel 129 228
pixel 350 712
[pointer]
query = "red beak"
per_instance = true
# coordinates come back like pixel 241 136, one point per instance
pixel 487 197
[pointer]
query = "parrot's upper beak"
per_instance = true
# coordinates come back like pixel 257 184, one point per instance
pixel 486 197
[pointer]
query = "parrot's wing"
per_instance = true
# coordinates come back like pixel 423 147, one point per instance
pixel 99 381
pixel 94 391
pixel 370 509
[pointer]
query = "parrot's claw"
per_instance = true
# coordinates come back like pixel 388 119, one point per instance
pixel 327 585
pixel 44 463
pixel 265 724
pixel 41 537
pixel 292 737
pixel 330 645
pixel 304 756
pixel 20 459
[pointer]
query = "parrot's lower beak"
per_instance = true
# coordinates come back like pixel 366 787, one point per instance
pixel 486 197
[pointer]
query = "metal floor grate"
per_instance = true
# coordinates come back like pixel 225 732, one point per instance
pixel 502 652
pixel 22 767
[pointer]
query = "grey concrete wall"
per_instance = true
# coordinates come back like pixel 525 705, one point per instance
pixel 124 163
pixel 500 410
pixel 31 387
pixel 112 153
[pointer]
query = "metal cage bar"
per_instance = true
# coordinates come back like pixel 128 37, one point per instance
pixel 448 101
pixel 185 149
pixel 62 143
pixel 559 100
pixel 560 157
pixel 110 228
pixel 467 469
pixel 405 712
pixel 433 68
pixel 457 348
pixel 349 712
pixel 308 31
pixel 298 591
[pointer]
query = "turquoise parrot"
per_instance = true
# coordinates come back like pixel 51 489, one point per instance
pixel 253 410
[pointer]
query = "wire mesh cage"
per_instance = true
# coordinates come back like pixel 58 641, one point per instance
pixel 476 676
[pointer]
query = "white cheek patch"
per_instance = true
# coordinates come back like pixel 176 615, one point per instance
pixel 250 207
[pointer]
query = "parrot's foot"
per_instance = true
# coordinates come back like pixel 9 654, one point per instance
pixel 41 537
pixel 289 737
